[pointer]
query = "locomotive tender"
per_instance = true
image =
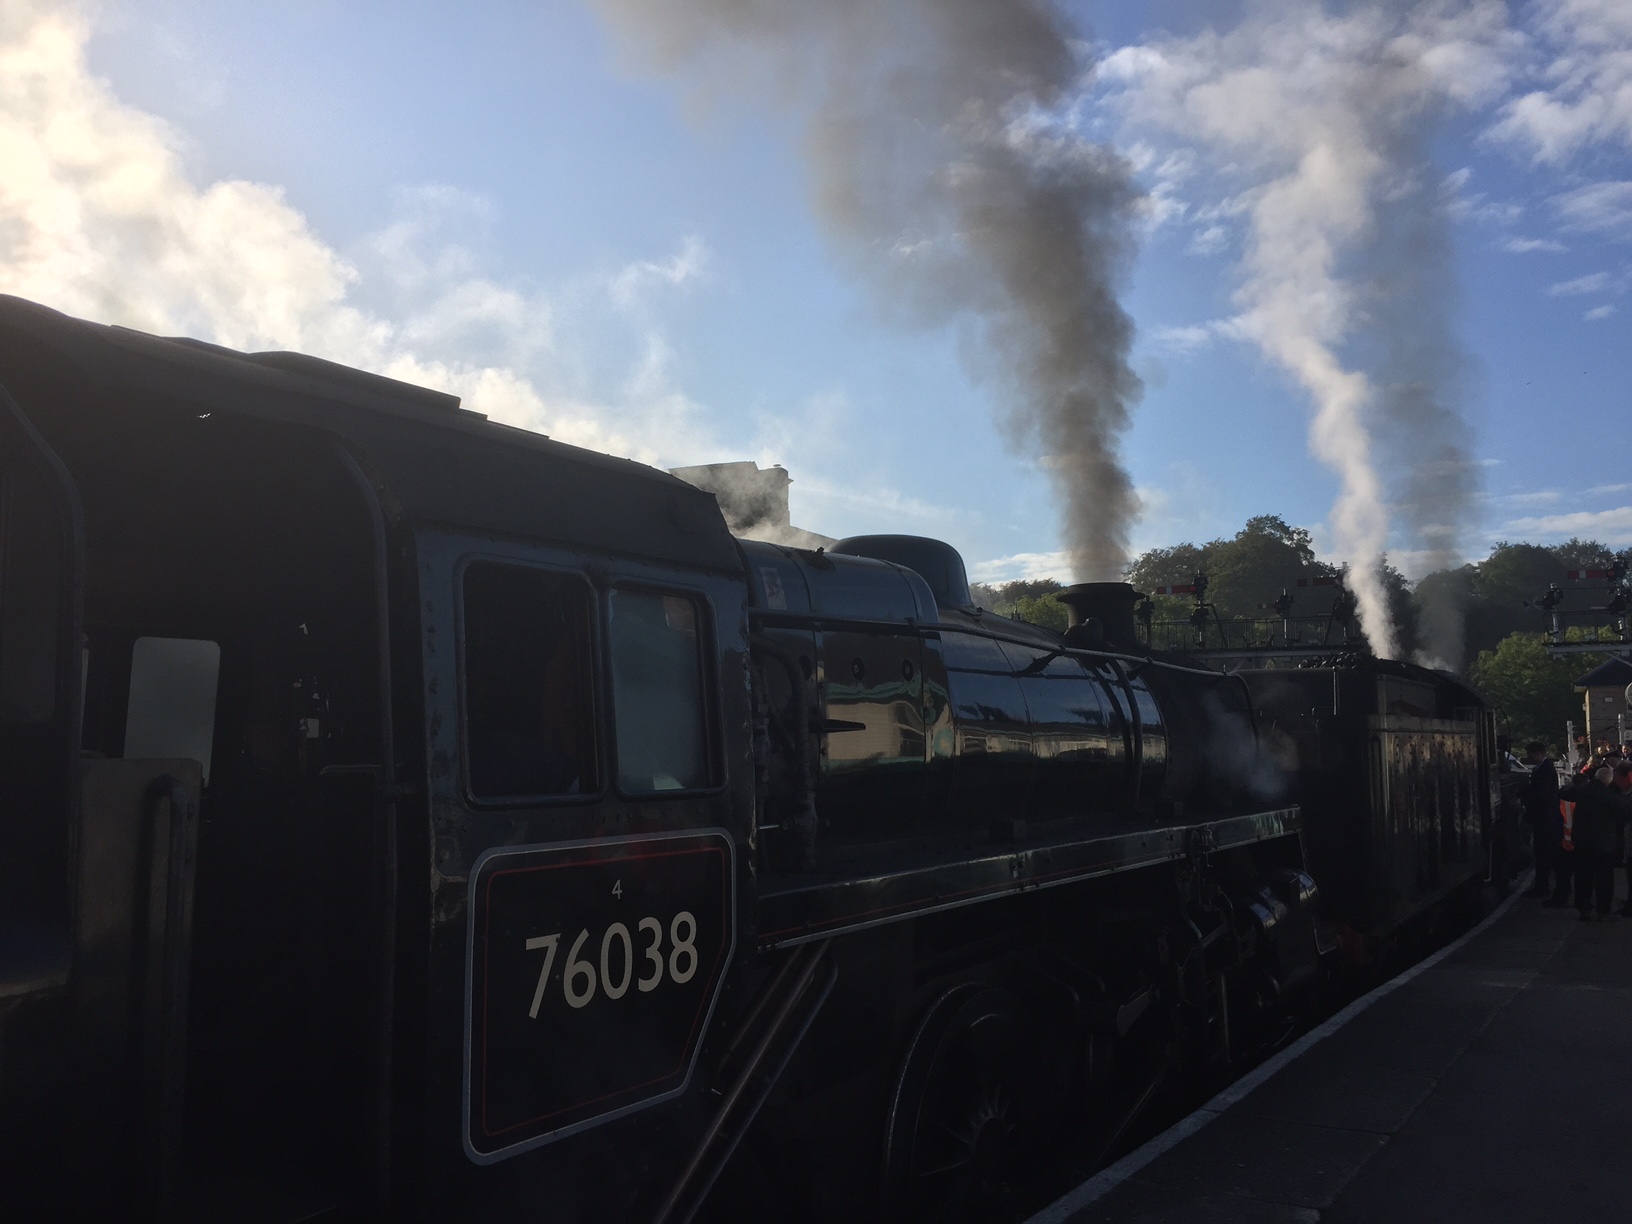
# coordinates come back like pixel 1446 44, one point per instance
pixel 410 817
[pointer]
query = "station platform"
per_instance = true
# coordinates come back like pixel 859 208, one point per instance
pixel 1490 1083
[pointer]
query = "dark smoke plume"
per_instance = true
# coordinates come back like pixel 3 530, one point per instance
pixel 941 166
pixel 1421 372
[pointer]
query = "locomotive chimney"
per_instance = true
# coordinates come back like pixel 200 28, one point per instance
pixel 1102 610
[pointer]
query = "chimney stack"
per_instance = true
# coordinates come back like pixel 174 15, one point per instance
pixel 1103 610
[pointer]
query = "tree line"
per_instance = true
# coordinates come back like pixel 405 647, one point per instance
pixel 1503 644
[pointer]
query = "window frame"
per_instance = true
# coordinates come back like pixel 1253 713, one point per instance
pixel 599 693
pixel 707 679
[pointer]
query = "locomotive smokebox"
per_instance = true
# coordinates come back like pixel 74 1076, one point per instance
pixel 1103 609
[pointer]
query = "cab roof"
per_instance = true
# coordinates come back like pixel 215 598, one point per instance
pixel 442 463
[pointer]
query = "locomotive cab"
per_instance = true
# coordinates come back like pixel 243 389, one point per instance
pixel 210 723
pixel 280 642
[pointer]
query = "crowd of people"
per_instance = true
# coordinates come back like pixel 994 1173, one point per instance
pixel 1579 830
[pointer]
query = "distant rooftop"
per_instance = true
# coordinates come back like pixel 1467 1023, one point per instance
pixel 1616 673
pixel 754 501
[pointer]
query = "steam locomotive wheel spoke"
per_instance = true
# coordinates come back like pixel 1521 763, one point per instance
pixel 968 1101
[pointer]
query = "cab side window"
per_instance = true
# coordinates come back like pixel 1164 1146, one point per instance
pixel 529 717
pixel 657 692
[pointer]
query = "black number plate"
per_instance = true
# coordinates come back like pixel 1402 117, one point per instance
pixel 591 973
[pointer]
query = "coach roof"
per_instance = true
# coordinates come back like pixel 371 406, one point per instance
pixel 443 463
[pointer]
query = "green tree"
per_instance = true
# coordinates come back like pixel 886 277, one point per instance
pixel 1275 527
pixel 1004 597
pixel 1165 566
pixel 1045 610
pixel 1491 600
pixel 1576 553
pixel 1243 572
pixel 1534 690
pixel 1403 611
pixel 1491 595
pixel 1502 583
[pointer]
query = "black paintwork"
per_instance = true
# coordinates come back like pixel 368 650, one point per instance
pixel 949 874
pixel 1394 765
pixel 315 522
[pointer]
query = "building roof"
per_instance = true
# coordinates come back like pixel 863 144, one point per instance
pixel 1616 673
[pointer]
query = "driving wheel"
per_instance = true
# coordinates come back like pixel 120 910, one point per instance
pixel 965 1119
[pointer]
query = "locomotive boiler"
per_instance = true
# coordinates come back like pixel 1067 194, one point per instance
pixel 407 817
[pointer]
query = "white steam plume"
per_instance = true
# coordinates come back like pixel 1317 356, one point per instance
pixel 941 167
pixel 1322 116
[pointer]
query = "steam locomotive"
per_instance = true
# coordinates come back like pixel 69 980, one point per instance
pixel 409 817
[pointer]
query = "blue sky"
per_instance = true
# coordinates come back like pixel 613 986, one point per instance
pixel 498 198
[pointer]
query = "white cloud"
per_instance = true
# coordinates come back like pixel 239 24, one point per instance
pixel 1159 206
pixel 631 283
pixel 1586 97
pixel 1537 497
pixel 1165 172
pixel 1494 212
pixel 417 248
pixel 1210 241
pixel 1183 340
pixel 1595 282
pixel 875 499
pixel 1032 565
pixel 1462 205
pixel 1599 312
pixel 99 218
pixel 1523 246
pixel 1228 208
pixel 1610 526
pixel 1191 338
pixel 1416 563
pixel 1604 208
pixel 1561 524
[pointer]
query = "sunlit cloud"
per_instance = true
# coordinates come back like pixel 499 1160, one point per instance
pixel 1594 282
pixel 1028 565
pixel 1601 208
pixel 1586 82
pixel 1610 526
pixel 100 218
pixel 1524 246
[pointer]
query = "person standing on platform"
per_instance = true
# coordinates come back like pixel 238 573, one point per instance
pixel 1564 860
pixel 1540 798
pixel 1600 814
pixel 1623 787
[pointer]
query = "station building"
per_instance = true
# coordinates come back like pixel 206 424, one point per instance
pixel 1603 692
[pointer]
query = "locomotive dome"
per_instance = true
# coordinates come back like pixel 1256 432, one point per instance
pixel 935 561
